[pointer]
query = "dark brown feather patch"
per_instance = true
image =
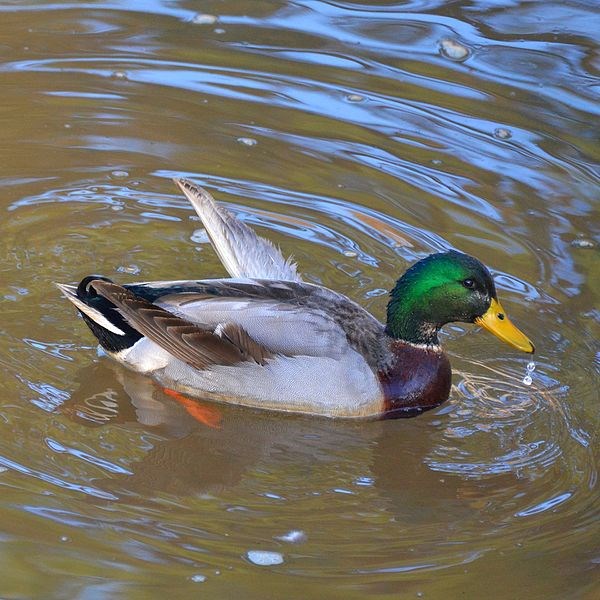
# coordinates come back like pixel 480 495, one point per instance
pixel 199 347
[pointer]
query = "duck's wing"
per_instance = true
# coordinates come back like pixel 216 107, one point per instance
pixel 199 346
pixel 290 318
pixel 242 252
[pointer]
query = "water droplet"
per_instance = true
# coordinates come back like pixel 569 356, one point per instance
pixel 67 125
pixel 583 243
pixel 294 536
pixel 120 174
pixel 355 98
pixel 502 133
pixel 203 19
pixel 454 50
pixel 350 253
pixel 65 538
pixel 131 269
pixel 198 578
pixel 247 141
pixel 531 366
pixel 437 161
pixel 264 558
pixel 272 496
pixel 200 237
pixel 119 75
pixel 376 292
pixel 364 481
pixel 219 31
pixel 527 380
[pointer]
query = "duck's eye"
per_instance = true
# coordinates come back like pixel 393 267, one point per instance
pixel 469 283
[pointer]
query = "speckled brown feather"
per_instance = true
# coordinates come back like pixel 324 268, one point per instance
pixel 200 348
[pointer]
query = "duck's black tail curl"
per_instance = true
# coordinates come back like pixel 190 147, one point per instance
pixel 101 316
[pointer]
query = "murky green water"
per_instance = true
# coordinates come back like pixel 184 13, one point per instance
pixel 340 131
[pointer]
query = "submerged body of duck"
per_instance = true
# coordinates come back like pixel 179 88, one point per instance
pixel 267 339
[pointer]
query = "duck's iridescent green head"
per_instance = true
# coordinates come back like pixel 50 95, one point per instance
pixel 446 287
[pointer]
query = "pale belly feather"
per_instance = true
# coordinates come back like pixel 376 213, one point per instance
pixel 340 387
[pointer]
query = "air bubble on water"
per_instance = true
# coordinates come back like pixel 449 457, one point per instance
pixel 247 141
pixel 130 269
pixel 118 174
pixel 119 75
pixel 200 236
pixel 294 536
pixel 583 243
pixel 264 558
pixel 502 133
pixel 454 50
pixel 531 366
pixel 204 19
pixel 355 98
pixel 198 578
pixel 527 380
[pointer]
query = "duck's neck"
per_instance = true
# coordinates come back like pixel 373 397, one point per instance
pixel 407 318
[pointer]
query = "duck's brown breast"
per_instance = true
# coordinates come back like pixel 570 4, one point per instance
pixel 417 379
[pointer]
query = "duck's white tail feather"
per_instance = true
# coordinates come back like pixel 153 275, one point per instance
pixel 242 252
pixel 70 293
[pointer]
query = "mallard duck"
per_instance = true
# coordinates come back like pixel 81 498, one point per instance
pixel 267 339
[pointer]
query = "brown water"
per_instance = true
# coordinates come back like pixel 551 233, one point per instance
pixel 341 132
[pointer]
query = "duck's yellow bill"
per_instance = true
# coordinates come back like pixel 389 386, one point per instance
pixel 496 321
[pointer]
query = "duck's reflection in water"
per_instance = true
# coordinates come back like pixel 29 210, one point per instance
pixel 202 448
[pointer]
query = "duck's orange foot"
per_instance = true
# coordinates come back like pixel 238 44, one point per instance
pixel 203 413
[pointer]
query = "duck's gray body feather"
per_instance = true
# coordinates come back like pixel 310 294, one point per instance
pixel 313 361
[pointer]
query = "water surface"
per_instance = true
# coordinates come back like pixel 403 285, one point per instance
pixel 344 133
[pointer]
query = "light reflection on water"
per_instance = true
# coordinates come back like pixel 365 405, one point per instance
pixel 372 150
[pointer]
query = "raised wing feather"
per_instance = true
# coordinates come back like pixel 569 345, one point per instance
pixel 242 252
